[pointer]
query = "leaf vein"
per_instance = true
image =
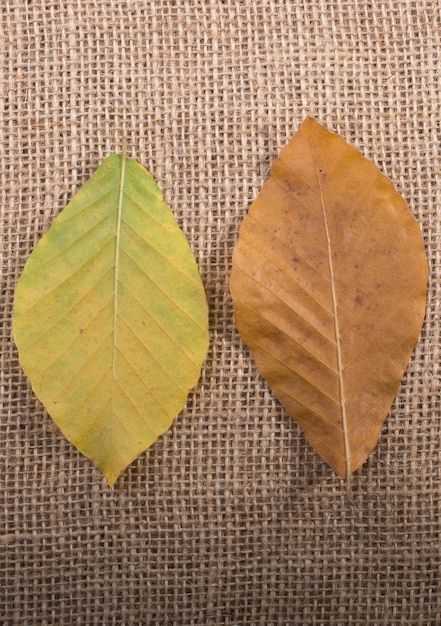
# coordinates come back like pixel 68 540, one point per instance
pixel 68 311
pixel 67 217
pixel 152 356
pixel 163 330
pixel 72 379
pixel 289 276
pixel 283 332
pixel 295 372
pixel 175 303
pixel 278 297
pixel 161 254
pixel 97 417
pixel 65 280
pixel 296 175
pixel 144 384
pixel 68 347
pixel 252 218
pixel 308 408
pixel 139 413
pixel 342 389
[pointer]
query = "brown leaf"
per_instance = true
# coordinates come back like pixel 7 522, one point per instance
pixel 329 286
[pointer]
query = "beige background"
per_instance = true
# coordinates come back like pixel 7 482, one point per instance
pixel 230 518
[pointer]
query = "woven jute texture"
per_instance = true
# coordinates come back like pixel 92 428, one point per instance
pixel 230 517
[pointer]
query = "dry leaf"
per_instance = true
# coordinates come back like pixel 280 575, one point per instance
pixel 111 316
pixel 329 287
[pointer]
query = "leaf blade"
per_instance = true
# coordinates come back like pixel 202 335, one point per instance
pixel 111 327
pixel 319 212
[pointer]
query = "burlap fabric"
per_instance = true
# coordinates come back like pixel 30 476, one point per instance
pixel 230 518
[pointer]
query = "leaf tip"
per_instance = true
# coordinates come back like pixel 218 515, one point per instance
pixel 111 479
pixel 309 121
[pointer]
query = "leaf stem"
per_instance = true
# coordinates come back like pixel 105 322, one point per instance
pixel 349 489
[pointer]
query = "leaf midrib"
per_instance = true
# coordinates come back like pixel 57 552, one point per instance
pixel 116 279
pixel 342 392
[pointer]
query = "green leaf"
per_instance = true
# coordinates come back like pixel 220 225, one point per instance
pixel 111 317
